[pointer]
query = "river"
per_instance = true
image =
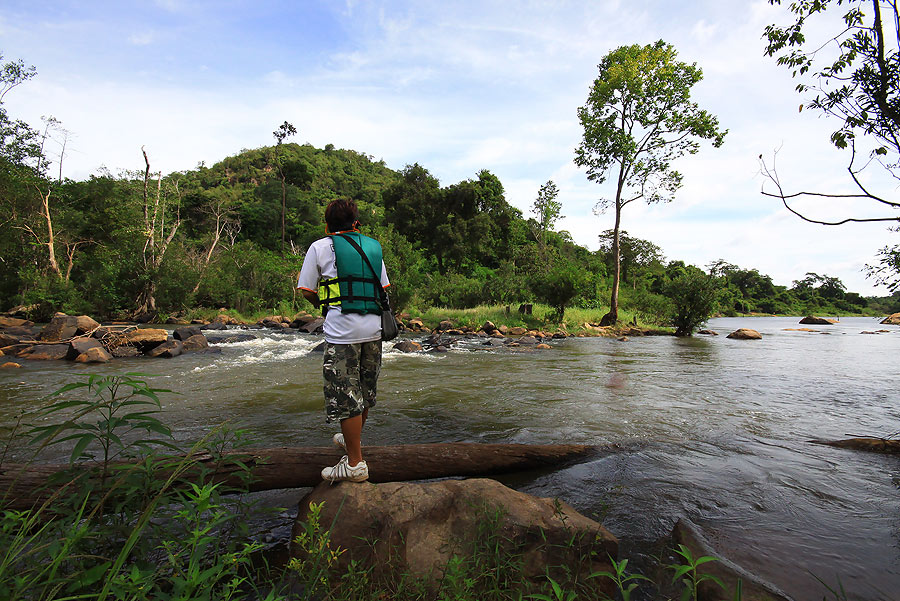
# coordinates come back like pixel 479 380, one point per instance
pixel 711 429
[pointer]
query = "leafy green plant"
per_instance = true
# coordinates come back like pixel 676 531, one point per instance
pixel 625 582
pixel 316 557
pixel 124 406
pixel 558 593
pixel 689 575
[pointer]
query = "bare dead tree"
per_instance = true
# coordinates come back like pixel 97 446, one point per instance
pixel 156 241
pixel 221 212
pixel 71 247
pixel 50 241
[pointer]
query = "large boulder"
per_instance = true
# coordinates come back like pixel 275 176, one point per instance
pixel 197 342
pixel 422 525
pixel 811 320
pixel 80 346
pixel 218 325
pixel 301 320
pixel 185 332
pixel 7 339
pixel 61 327
pixel 893 320
pixel 64 327
pixel 14 322
pixel 314 326
pixel 146 339
pixel 96 354
pixel 226 319
pixel 45 352
pixel 407 346
pixel 85 325
pixel 745 334
pixel 168 349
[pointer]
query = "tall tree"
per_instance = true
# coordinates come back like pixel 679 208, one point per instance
pixel 853 76
pixel 546 208
pixel 639 118
pixel 284 131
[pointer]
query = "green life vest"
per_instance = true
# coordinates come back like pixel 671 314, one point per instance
pixel 354 288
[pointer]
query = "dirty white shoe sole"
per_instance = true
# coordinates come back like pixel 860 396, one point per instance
pixel 338 440
pixel 342 471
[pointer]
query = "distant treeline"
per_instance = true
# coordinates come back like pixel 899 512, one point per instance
pixel 140 241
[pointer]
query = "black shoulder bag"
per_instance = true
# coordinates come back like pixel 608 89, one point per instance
pixel 389 329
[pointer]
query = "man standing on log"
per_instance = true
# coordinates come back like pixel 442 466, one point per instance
pixel 338 274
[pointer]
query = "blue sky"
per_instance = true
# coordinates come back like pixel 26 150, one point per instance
pixel 455 86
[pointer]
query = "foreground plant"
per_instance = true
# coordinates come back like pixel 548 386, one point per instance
pixel 156 527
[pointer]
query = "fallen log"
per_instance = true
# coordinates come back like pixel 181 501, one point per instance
pixel 24 485
pixel 876 445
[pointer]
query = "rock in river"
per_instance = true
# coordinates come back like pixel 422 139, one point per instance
pixel 811 320
pixel 893 320
pixel 422 525
pixel 745 334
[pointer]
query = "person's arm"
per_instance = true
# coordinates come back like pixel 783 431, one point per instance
pixel 311 296
pixel 307 281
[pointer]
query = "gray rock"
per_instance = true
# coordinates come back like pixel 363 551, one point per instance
pixel 61 327
pixel 313 327
pixel 196 342
pixel 45 352
pixel 80 346
pixel 185 332
pixel 407 346
pixel 168 349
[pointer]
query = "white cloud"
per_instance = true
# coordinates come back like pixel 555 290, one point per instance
pixel 142 39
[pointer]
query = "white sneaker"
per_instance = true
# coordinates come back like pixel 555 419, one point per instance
pixel 338 440
pixel 343 471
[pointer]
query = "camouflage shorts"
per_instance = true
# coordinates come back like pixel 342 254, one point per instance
pixel 351 376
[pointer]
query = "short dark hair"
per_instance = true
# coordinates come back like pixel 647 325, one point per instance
pixel 341 214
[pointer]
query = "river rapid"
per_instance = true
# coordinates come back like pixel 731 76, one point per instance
pixel 711 429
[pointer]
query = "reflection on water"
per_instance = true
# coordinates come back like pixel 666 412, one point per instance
pixel 712 429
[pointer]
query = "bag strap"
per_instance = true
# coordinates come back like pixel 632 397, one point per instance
pixel 359 249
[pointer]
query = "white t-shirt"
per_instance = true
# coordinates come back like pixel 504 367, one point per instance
pixel 340 328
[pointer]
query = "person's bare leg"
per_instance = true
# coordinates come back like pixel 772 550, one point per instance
pixel 351 428
pixel 365 416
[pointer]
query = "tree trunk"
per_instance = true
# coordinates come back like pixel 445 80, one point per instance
pixel 611 318
pixel 51 240
pixel 24 485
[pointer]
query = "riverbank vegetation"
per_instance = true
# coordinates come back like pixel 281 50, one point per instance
pixel 140 242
